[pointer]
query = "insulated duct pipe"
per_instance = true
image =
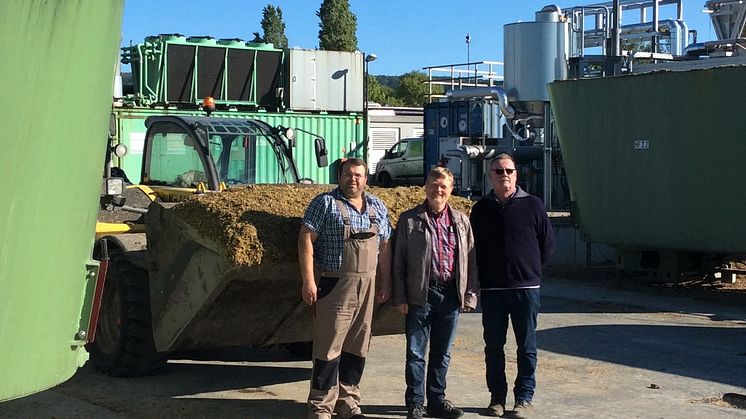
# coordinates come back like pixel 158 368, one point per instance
pixel 465 175
pixel 495 93
pixel 677 31
pixel 465 154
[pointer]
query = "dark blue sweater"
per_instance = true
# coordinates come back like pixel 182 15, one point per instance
pixel 513 240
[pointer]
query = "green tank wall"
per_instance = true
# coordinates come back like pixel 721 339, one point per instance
pixel 57 64
pixel 656 160
pixel 343 134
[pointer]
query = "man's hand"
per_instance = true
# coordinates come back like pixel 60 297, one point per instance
pixel 403 308
pixel 308 292
pixel 383 295
pixel 383 282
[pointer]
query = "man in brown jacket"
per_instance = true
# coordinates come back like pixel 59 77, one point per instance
pixel 434 275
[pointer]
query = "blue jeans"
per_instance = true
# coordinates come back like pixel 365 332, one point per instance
pixel 434 322
pixel 522 306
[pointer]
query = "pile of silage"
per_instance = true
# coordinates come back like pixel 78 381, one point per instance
pixel 261 222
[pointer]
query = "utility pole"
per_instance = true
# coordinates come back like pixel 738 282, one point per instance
pixel 366 73
pixel 468 58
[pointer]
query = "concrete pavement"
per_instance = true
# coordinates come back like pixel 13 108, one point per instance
pixel 604 352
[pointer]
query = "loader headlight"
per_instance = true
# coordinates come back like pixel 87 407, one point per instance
pixel 289 133
pixel 113 186
pixel 120 150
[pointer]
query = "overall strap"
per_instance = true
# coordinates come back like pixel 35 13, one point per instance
pixel 343 211
pixel 372 215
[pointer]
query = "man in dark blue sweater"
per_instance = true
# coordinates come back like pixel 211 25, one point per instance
pixel 513 239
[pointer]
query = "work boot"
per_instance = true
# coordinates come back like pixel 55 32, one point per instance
pixel 415 412
pixel 523 409
pixel 443 409
pixel 495 408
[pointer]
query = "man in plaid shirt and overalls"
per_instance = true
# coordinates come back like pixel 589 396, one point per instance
pixel 344 234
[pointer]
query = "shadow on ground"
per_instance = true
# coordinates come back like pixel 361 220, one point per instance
pixel 681 350
pixel 192 385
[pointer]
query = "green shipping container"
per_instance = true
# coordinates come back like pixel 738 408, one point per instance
pixel 656 160
pixel 57 61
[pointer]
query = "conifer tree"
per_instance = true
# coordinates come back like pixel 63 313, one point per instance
pixel 274 27
pixel 338 26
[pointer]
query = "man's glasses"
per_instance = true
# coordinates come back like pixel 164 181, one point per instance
pixel 503 171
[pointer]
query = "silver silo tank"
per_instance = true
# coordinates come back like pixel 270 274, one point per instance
pixel 535 54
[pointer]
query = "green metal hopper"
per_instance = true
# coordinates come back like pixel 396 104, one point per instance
pixel 57 61
pixel 655 160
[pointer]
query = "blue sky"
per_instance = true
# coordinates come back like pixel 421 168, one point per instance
pixel 406 35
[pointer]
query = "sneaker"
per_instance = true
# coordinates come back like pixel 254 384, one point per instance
pixel 415 412
pixel 495 409
pixel 523 409
pixel 444 409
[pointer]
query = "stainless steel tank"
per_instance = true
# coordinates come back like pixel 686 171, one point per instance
pixel 535 54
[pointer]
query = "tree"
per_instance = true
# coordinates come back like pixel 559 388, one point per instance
pixel 274 27
pixel 338 26
pixel 413 90
pixel 381 94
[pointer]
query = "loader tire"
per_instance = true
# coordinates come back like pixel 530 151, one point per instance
pixel 123 344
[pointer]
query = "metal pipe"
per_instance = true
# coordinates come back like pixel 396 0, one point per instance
pixel 695 50
pixel 580 31
pixel 679 39
pixel 638 30
pixel 497 93
pixel 514 134
pixel 548 134
pixel 635 29
pixel 429 85
pixel 602 15
pixel 603 26
pixel 639 4
pixel 465 175
pixel 654 39
pixel 616 30
pixel 134 209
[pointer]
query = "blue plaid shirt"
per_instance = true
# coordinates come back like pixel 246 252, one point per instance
pixel 323 217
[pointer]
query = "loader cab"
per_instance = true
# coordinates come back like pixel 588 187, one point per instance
pixel 209 153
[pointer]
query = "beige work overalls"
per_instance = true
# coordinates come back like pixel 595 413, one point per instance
pixel 341 328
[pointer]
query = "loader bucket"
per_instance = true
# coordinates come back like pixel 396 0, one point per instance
pixel 200 297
